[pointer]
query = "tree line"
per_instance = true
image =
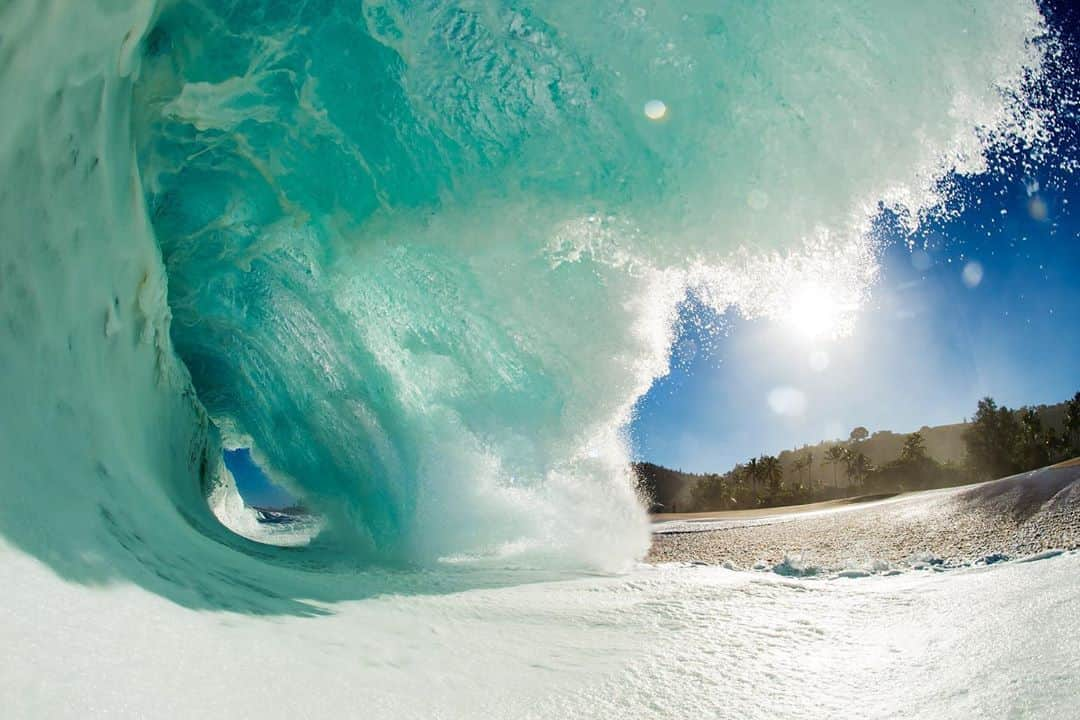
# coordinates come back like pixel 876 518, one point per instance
pixel 1002 442
pixel 999 441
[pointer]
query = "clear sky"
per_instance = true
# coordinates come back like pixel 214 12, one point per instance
pixel 926 347
pixel 987 303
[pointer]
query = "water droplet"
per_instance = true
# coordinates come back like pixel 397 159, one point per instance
pixel 972 274
pixel 655 110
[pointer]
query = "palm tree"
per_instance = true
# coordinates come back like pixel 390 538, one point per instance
pixel 772 472
pixel 834 456
pixel 858 466
pixel 797 467
pixel 801 463
pixel 753 471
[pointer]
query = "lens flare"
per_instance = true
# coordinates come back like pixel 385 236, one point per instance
pixel 787 401
pixel 972 274
pixel 655 110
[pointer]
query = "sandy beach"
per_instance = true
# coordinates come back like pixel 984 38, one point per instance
pixel 1012 517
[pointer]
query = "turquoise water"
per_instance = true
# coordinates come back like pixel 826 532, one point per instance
pixel 422 258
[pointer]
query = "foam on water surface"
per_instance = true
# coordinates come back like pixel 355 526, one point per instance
pixel 662 642
pixel 423 258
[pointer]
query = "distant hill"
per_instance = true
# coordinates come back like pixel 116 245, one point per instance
pixel 944 443
pixel 671 490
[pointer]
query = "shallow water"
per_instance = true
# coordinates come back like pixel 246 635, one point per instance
pixel 664 642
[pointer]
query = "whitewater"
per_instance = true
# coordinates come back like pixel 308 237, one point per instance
pixel 422 259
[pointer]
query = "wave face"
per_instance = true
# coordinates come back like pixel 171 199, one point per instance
pixel 423 257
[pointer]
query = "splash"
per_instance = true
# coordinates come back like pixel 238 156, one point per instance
pixel 423 258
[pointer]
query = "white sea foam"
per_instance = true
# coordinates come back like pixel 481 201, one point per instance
pixel 664 642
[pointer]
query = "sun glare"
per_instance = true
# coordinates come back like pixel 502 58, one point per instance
pixel 814 313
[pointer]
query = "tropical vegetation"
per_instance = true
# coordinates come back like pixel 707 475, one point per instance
pixel 998 441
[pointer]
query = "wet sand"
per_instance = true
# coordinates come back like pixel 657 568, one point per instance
pixel 1012 517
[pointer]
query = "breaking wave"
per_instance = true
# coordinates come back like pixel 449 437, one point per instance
pixel 423 258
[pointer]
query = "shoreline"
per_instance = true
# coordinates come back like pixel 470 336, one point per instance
pixel 1019 515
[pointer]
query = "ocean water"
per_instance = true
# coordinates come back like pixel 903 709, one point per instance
pixel 422 258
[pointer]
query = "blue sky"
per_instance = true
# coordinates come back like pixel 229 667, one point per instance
pixel 254 486
pixel 924 350
pixel 927 346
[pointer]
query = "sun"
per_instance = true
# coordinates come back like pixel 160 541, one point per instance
pixel 814 313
